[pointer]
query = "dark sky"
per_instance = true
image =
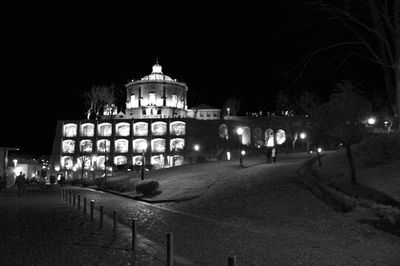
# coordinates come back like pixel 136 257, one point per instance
pixel 52 54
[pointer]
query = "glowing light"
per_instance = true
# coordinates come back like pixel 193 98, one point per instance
pixel 311 151
pixel 15 162
pixel 319 149
pixel 371 120
pixel 303 135
pixel 239 131
pixel 57 168
pixel 228 155
pixel 74 168
pixel 243 152
pixel 196 147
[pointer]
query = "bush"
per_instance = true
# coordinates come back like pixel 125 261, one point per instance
pixel 147 187
pixel 120 187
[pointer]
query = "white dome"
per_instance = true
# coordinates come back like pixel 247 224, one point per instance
pixel 157 74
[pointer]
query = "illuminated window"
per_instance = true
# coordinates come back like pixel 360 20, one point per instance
pixel 70 130
pixel 121 145
pixel 67 162
pixel 100 162
pixel 103 145
pixel 86 145
pixel 104 129
pixel 152 98
pixel 223 131
pixel 280 136
pixel 158 145
pixel 139 145
pixel 140 129
pixel 176 144
pixel 86 162
pixel 87 130
pixel 122 129
pixel 246 139
pixel 175 160
pixel 174 100
pixel 119 160
pixel 133 101
pixel 68 146
pixel 157 161
pixel 137 160
pixel 159 128
pixel 177 128
pixel 258 138
pixel 269 137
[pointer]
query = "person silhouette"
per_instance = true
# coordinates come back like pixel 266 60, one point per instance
pixel 20 183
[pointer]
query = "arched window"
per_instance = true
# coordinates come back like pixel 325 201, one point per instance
pixel 86 145
pixel 258 138
pixel 100 162
pixel 68 146
pixel 176 144
pixel 158 145
pixel 119 160
pixel 140 129
pixel 122 129
pixel 103 145
pixel 86 162
pixel 159 128
pixel 104 129
pixel 157 161
pixel 137 160
pixel 177 128
pixel 280 136
pixel 223 131
pixel 67 162
pixel 87 130
pixel 269 137
pixel 139 145
pixel 121 145
pixel 246 138
pixel 70 130
pixel 175 160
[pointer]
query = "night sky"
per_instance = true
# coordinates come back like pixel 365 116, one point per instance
pixel 52 54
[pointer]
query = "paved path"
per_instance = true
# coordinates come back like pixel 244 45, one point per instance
pixel 269 221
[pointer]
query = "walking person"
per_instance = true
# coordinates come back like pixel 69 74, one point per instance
pixel 274 154
pixel 20 183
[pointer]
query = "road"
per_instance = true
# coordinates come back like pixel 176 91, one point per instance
pixel 259 215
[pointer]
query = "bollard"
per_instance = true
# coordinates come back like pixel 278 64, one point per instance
pixel 134 244
pixel 73 193
pixel 84 207
pixel 115 222
pixel 62 193
pixel 101 217
pixel 69 197
pixel 79 202
pixel 232 261
pixel 91 210
pixel 169 249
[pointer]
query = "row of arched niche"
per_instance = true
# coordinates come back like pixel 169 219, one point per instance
pixel 267 137
pixel 122 129
pixel 97 162
pixel 122 145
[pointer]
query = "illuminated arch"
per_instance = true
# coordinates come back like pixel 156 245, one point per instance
pixel 119 160
pixel 86 160
pixel 258 138
pixel 159 128
pixel 269 137
pixel 122 129
pixel 280 136
pixel 104 129
pixel 67 162
pixel 86 145
pixel 100 161
pixel 158 145
pixel 87 130
pixel 176 144
pixel 246 137
pixel 137 160
pixel 175 160
pixel 103 145
pixel 141 129
pixel 70 130
pixel 223 131
pixel 139 145
pixel 177 128
pixel 121 145
pixel 157 161
pixel 68 146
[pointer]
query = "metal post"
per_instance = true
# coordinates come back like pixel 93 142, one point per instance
pixel 134 239
pixel 69 197
pixel 319 158
pixel 143 162
pixel 232 261
pixel 115 222
pixel 169 249
pixel 74 200
pixel 91 210
pixel 101 217
pixel 79 202
pixel 84 207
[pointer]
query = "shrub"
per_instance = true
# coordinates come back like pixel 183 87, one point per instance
pixel 147 187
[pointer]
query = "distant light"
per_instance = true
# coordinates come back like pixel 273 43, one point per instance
pixel 196 147
pixel 15 162
pixel 303 135
pixel 239 131
pixel 228 155
pixel 258 146
pixel 371 120
pixel 57 168
pixel 243 152
pixel 311 151
pixel 319 149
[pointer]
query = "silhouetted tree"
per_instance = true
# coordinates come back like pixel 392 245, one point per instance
pixel 98 98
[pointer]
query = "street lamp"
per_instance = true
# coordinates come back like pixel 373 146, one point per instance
pixel 303 135
pixel 319 150
pixel 196 147
pixel 371 121
pixel 228 109
pixel 239 131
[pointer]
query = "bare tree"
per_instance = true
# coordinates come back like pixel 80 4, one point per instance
pixel 375 27
pixel 98 98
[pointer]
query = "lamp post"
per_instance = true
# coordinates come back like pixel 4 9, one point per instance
pixel 239 131
pixel 319 156
pixel 303 135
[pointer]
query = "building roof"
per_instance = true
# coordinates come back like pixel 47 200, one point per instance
pixel 204 107
pixel 157 74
